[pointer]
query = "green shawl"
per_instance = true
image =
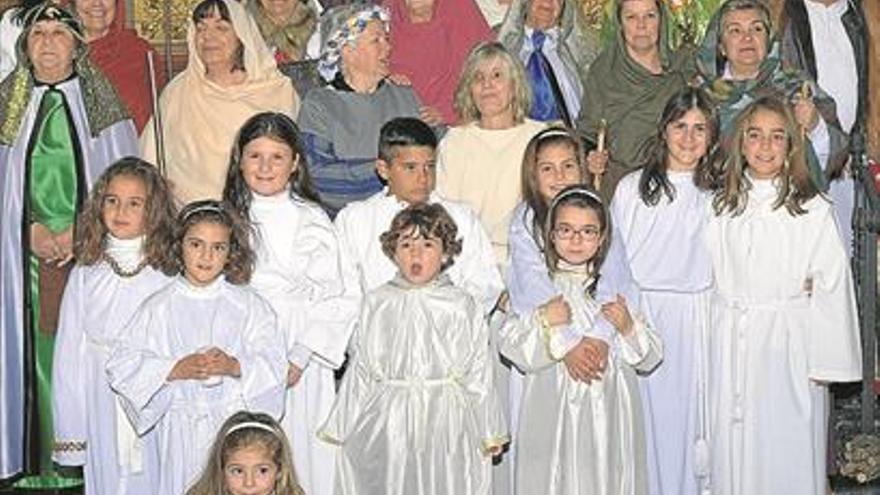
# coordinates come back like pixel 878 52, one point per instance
pixel 630 99
pixel 731 97
pixel 290 40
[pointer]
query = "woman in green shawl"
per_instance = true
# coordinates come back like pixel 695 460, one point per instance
pixel 627 87
pixel 739 62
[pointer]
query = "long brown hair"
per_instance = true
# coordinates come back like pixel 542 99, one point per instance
pixel 242 430
pixel 91 232
pixel 552 136
pixel 240 264
pixel 795 185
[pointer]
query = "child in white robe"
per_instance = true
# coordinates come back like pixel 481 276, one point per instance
pixel 659 213
pixel 201 348
pixel 250 456
pixel 407 164
pixel 784 320
pixel 578 434
pixel 298 270
pixel 417 412
pixel 122 238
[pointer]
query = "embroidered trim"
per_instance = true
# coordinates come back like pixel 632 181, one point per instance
pixel 69 446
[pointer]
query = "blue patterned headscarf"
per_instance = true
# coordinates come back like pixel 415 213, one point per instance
pixel 342 26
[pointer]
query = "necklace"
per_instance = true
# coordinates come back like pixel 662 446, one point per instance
pixel 118 270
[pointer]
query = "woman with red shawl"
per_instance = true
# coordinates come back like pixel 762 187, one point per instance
pixel 450 28
pixel 120 53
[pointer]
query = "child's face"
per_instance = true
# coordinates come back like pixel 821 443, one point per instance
pixel 555 169
pixel 577 234
pixel 205 251
pixel 250 471
pixel 765 144
pixel 411 174
pixel 418 258
pixel 267 165
pixel 123 206
pixel 687 140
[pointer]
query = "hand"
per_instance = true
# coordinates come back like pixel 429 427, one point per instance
pixel 618 315
pixel 556 311
pixel 596 352
pixel 400 79
pixel 431 116
pixel 597 162
pixel 219 363
pixel 43 243
pixel 493 451
pixel 64 241
pixel 191 367
pixel 294 373
pixel 805 113
pixel 584 362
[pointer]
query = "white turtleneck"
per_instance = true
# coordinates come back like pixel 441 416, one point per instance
pixel 127 253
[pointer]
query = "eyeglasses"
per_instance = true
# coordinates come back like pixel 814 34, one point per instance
pixel 567 232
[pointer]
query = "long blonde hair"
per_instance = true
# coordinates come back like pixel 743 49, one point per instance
pixel 464 103
pixel 795 185
pixel 244 429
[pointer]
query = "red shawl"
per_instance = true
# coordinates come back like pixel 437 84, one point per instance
pixel 432 53
pixel 122 55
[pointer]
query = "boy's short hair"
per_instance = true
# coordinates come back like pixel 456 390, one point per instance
pixel 404 131
pixel 428 220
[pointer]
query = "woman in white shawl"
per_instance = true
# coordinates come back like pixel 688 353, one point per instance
pixel 231 76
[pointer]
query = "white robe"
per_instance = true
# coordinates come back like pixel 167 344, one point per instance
pixel 772 341
pixel 97 305
pixel 361 223
pixel 671 265
pixel 298 271
pixel 179 320
pixel 417 409
pixel 574 438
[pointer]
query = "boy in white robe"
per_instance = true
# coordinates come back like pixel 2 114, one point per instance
pixel 417 412
pixel 407 152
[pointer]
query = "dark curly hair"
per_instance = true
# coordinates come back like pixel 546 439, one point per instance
pixel 159 213
pixel 240 264
pixel 423 221
pixel 278 127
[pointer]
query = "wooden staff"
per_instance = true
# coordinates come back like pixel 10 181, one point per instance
pixel 600 147
pixel 805 96
pixel 157 116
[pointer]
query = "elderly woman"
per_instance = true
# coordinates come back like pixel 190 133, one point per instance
pixel 627 87
pixel 230 77
pixel 120 53
pixel 341 121
pixel 61 125
pixel 286 26
pixel 450 28
pixel 549 38
pixel 479 161
pixel 740 61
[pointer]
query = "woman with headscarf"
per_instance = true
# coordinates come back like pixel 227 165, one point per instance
pixel 627 87
pixel 558 67
pixel 430 40
pixel 739 62
pixel 61 125
pixel 230 77
pixel 121 54
pixel 341 121
pixel 286 26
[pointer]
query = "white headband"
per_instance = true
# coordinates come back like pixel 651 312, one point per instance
pixel 251 424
